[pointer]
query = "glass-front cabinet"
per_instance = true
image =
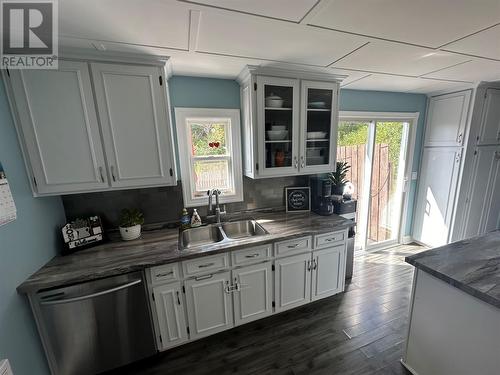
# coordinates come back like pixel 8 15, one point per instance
pixel 289 123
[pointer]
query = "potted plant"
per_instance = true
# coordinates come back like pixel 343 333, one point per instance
pixel 130 224
pixel 338 178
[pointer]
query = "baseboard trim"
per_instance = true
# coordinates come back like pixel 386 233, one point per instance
pixel 407 240
pixel 406 366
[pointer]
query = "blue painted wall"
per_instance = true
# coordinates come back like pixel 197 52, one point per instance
pixel 25 245
pixel 221 93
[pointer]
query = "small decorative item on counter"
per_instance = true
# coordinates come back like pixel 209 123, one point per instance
pixel 339 178
pixel 82 233
pixel 195 219
pixel 130 224
pixel 298 199
pixel 185 219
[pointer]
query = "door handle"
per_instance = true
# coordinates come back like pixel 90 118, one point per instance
pixel 88 296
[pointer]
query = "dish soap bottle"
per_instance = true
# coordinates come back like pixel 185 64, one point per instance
pixel 185 219
pixel 195 219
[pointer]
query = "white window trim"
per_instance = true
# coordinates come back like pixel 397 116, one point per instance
pixel 181 114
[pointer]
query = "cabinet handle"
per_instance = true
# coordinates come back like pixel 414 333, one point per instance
pixel 252 255
pixel 205 265
pixel 199 278
pixel 178 298
pixel 164 274
pixel 293 246
pixel 302 162
pixel 460 138
pixel 498 136
pixel 100 173
pixel 309 265
pixel 330 239
pixel 315 265
pixel 295 162
pixel 113 173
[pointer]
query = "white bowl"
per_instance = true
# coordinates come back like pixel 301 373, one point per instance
pixel 276 135
pixel 313 151
pixel 273 102
pixel 316 135
pixel 278 127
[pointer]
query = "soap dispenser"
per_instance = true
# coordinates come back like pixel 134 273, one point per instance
pixel 195 219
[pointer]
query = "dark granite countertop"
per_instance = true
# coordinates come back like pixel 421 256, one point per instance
pixel 161 247
pixel 472 265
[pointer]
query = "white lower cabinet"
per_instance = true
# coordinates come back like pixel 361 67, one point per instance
pixel 171 315
pixel 328 272
pixel 209 304
pixel 292 281
pixel 253 293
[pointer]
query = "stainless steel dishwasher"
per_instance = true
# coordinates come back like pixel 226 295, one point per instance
pixel 95 326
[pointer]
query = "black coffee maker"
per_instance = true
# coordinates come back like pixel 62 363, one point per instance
pixel 321 195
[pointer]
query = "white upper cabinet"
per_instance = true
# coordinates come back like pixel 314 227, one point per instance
pixel 135 127
pixel 447 119
pixel 58 123
pixel 489 133
pixel 289 122
pixel 93 126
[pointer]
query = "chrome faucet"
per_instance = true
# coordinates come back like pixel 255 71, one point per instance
pixel 214 212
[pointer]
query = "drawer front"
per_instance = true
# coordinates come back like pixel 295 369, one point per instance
pixel 294 246
pixel 165 273
pixel 327 239
pixel 207 264
pixel 254 254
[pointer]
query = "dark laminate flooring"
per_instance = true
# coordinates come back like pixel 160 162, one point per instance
pixel 361 331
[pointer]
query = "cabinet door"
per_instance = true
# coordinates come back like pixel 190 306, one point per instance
pixel 446 119
pixel 209 304
pixel 59 126
pixel 135 124
pixel 328 272
pixel 171 315
pixel 253 296
pixel 489 134
pixel 278 126
pixel 436 195
pixel 492 217
pixel 319 124
pixel 292 281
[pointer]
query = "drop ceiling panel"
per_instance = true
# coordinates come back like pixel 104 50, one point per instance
pixel 292 10
pixel 260 38
pixel 484 44
pixel 397 58
pixel 430 23
pixel 155 23
pixel 434 87
pixel 473 71
pixel 385 82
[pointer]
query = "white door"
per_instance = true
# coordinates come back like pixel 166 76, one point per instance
pixel 59 125
pixel 436 194
pixel 292 281
pixel 328 272
pixel 253 296
pixel 318 126
pixel 278 126
pixel 446 119
pixel 209 304
pixel 133 112
pixel 489 134
pixel 171 315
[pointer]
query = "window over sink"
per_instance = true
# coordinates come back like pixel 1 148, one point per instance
pixel 209 153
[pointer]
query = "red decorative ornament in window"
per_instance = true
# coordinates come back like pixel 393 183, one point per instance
pixel 214 144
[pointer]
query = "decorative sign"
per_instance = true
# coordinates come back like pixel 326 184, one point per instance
pixel 298 199
pixel 8 211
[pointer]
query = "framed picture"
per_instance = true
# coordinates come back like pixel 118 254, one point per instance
pixel 298 199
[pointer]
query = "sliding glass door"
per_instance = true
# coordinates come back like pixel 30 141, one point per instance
pixel 376 150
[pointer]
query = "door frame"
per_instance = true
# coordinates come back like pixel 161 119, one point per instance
pixel 373 117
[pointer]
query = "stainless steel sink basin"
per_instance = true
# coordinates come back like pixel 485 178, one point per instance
pixel 242 229
pixel 200 236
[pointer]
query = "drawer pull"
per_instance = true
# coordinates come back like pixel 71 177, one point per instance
pixel 199 278
pixel 206 265
pixel 330 239
pixel 164 274
pixel 252 255
pixel 293 246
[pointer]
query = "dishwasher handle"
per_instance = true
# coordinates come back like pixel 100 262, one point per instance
pixel 88 296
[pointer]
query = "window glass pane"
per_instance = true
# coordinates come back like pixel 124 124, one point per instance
pixel 209 138
pixel 211 174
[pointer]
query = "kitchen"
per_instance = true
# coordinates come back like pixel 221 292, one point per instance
pixel 260 118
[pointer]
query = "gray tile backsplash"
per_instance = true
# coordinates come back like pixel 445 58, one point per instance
pixel 164 204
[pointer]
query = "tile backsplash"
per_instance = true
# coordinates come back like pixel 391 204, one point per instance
pixel 164 204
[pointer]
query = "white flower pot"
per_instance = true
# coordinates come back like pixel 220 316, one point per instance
pixel 130 233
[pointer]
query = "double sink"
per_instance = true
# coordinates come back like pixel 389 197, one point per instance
pixel 222 232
